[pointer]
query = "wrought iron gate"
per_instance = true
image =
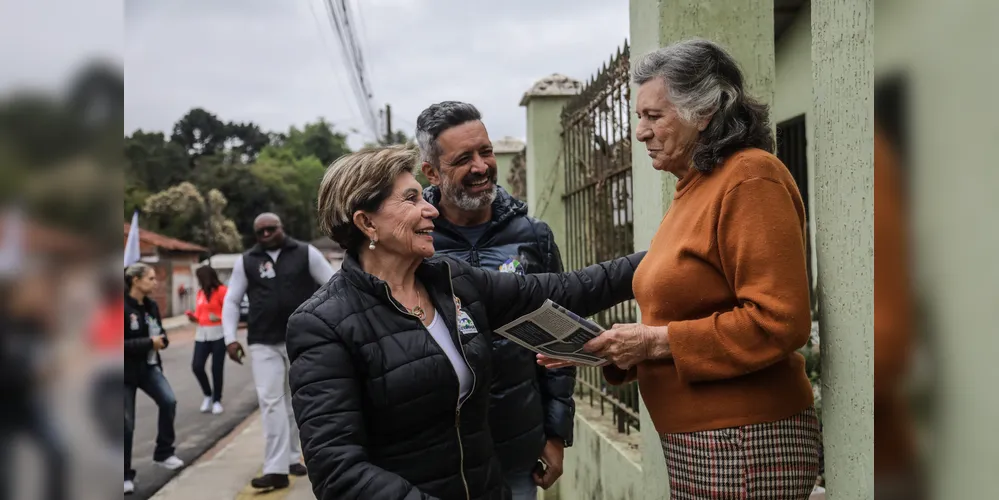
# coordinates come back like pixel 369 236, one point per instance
pixel 596 136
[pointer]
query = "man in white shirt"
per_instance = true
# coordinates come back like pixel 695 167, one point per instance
pixel 277 274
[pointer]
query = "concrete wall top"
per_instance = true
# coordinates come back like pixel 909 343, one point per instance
pixel 554 85
pixel 508 145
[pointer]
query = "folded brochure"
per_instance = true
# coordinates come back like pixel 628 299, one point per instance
pixel 556 332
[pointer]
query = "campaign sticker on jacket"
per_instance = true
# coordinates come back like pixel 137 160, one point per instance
pixel 267 270
pixel 133 321
pixel 154 326
pixel 465 324
pixel 512 266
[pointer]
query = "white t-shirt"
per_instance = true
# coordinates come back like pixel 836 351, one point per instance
pixel 438 330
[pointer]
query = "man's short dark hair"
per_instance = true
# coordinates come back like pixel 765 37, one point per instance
pixel 435 120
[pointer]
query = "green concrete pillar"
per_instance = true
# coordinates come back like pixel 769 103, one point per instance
pixel 843 108
pixel 745 29
pixel 505 150
pixel 545 169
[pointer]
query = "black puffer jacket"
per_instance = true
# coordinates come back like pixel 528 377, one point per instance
pixel 376 399
pixel 529 404
pixel 139 318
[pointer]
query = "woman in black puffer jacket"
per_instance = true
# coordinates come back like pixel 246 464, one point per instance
pixel 391 359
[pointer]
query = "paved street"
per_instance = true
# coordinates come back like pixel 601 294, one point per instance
pixel 196 431
pixel 224 472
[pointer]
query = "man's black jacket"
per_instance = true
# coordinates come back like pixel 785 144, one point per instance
pixel 528 404
pixel 375 397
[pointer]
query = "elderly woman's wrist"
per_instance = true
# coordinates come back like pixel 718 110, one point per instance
pixel 658 342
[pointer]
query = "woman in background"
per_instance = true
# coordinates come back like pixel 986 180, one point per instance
pixel 208 337
pixel 144 339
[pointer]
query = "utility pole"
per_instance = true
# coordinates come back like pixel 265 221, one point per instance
pixel 388 124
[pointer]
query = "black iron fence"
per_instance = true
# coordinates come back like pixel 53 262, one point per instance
pixel 596 136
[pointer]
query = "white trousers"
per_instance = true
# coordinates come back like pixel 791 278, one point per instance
pixel 283 447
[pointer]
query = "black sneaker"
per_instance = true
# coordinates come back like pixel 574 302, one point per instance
pixel 297 470
pixel 270 482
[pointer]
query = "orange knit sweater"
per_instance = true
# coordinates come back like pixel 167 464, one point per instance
pixel 726 275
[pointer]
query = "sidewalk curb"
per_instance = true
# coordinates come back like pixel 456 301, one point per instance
pixel 219 448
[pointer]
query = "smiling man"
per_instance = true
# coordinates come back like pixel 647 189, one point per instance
pixel 531 408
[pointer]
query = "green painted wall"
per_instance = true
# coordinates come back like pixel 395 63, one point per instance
pixel 545 173
pixel 793 95
pixel 597 466
pixel 503 161
pixel 843 75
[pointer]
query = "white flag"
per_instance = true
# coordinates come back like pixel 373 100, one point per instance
pixel 132 244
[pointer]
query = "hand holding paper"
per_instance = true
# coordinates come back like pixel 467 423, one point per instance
pixel 555 332
pixel 629 344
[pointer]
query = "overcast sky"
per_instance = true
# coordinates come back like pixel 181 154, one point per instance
pixel 277 62
pixel 43 43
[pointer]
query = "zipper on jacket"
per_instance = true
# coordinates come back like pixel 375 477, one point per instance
pixel 457 414
pixel 457 410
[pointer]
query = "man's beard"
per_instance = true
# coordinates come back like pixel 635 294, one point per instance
pixel 456 195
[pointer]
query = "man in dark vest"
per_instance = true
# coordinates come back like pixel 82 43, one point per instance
pixel 531 408
pixel 277 274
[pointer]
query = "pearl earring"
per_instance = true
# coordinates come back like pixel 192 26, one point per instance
pixel 371 246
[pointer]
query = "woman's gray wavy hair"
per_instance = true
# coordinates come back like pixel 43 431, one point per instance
pixel 703 80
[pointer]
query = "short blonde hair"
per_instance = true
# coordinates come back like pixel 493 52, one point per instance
pixel 359 181
pixel 135 271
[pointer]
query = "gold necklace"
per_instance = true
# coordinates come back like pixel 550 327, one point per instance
pixel 418 310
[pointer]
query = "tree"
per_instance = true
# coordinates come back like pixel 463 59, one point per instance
pixel 200 133
pixel 317 139
pixel 295 182
pixel 153 163
pixel 246 141
pixel 256 170
pixel 182 212
pixel 400 137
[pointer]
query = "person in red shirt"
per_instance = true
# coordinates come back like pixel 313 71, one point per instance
pixel 208 339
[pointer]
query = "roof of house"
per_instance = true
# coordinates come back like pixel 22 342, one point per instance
pixel 36 237
pixel 165 242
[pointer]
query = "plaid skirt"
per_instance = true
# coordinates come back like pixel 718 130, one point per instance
pixel 773 461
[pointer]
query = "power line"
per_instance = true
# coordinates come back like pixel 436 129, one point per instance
pixel 340 19
pixel 354 117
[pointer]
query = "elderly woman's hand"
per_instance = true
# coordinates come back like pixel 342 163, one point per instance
pixel 626 345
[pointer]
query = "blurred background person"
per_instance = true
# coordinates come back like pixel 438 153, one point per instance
pixel 27 368
pixel 278 274
pixel 208 338
pixel 107 339
pixel 895 464
pixel 144 339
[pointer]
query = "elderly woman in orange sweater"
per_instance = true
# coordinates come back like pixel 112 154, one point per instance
pixel 723 290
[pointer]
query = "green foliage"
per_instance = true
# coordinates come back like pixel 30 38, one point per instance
pixel 318 140
pixel 183 212
pixel 62 154
pixel 256 171
pixel 400 137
